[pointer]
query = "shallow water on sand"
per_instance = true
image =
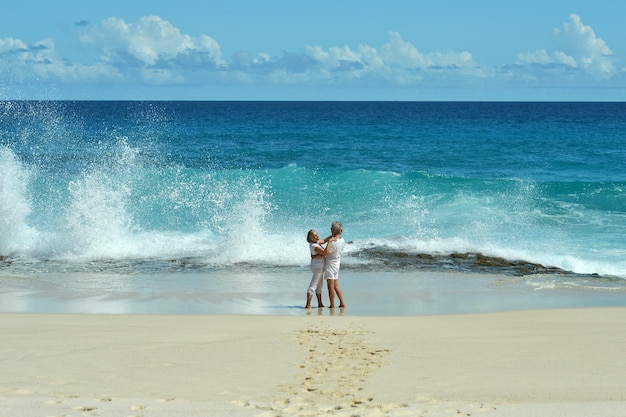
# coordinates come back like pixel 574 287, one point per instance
pixel 282 292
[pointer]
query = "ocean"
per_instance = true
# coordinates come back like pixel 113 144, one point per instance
pixel 110 200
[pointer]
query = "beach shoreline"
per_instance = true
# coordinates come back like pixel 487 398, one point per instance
pixel 283 292
pixel 517 363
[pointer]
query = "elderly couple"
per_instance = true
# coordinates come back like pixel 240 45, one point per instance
pixel 325 263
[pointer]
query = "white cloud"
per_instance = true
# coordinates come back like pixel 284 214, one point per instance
pixel 396 60
pixel 403 54
pixel 563 58
pixel 582 49
pixel 20 62
pixel 543 57
pixel 17 55
pixel 12 45
pixel 151 41
pixel 540 56
pixel 153 51
pixel 343 62
pixel 590 51
pixel 261 58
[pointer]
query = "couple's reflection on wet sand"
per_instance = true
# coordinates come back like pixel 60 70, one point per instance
pixel 320 311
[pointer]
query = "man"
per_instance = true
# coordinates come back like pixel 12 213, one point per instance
pixel 332 264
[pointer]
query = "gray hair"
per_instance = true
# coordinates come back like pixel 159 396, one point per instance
pixel 336 226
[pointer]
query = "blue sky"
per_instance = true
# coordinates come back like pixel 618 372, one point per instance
pixel 322 50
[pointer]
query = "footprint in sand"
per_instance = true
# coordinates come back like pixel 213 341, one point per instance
pixel 165 400
pixel 337 364
pixel 84 408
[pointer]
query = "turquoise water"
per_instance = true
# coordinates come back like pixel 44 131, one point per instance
pixel 161 187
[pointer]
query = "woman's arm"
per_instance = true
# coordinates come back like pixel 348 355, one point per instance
pixel 321 252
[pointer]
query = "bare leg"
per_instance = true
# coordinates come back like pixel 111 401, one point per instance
pixel 320 303
pixel 308 300
pixel 331 292
pixel 339 294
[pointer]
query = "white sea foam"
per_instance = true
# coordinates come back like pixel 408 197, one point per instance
pixel 15 207
pixel 120 192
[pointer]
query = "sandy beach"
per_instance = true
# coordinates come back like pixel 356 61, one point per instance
pixel 562 362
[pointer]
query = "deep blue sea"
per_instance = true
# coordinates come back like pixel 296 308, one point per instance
pixel 153 187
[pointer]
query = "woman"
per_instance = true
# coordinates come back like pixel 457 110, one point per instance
pixel 318 253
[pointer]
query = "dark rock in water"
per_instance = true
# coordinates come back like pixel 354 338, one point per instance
pixel 493 261
pixel 471 262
